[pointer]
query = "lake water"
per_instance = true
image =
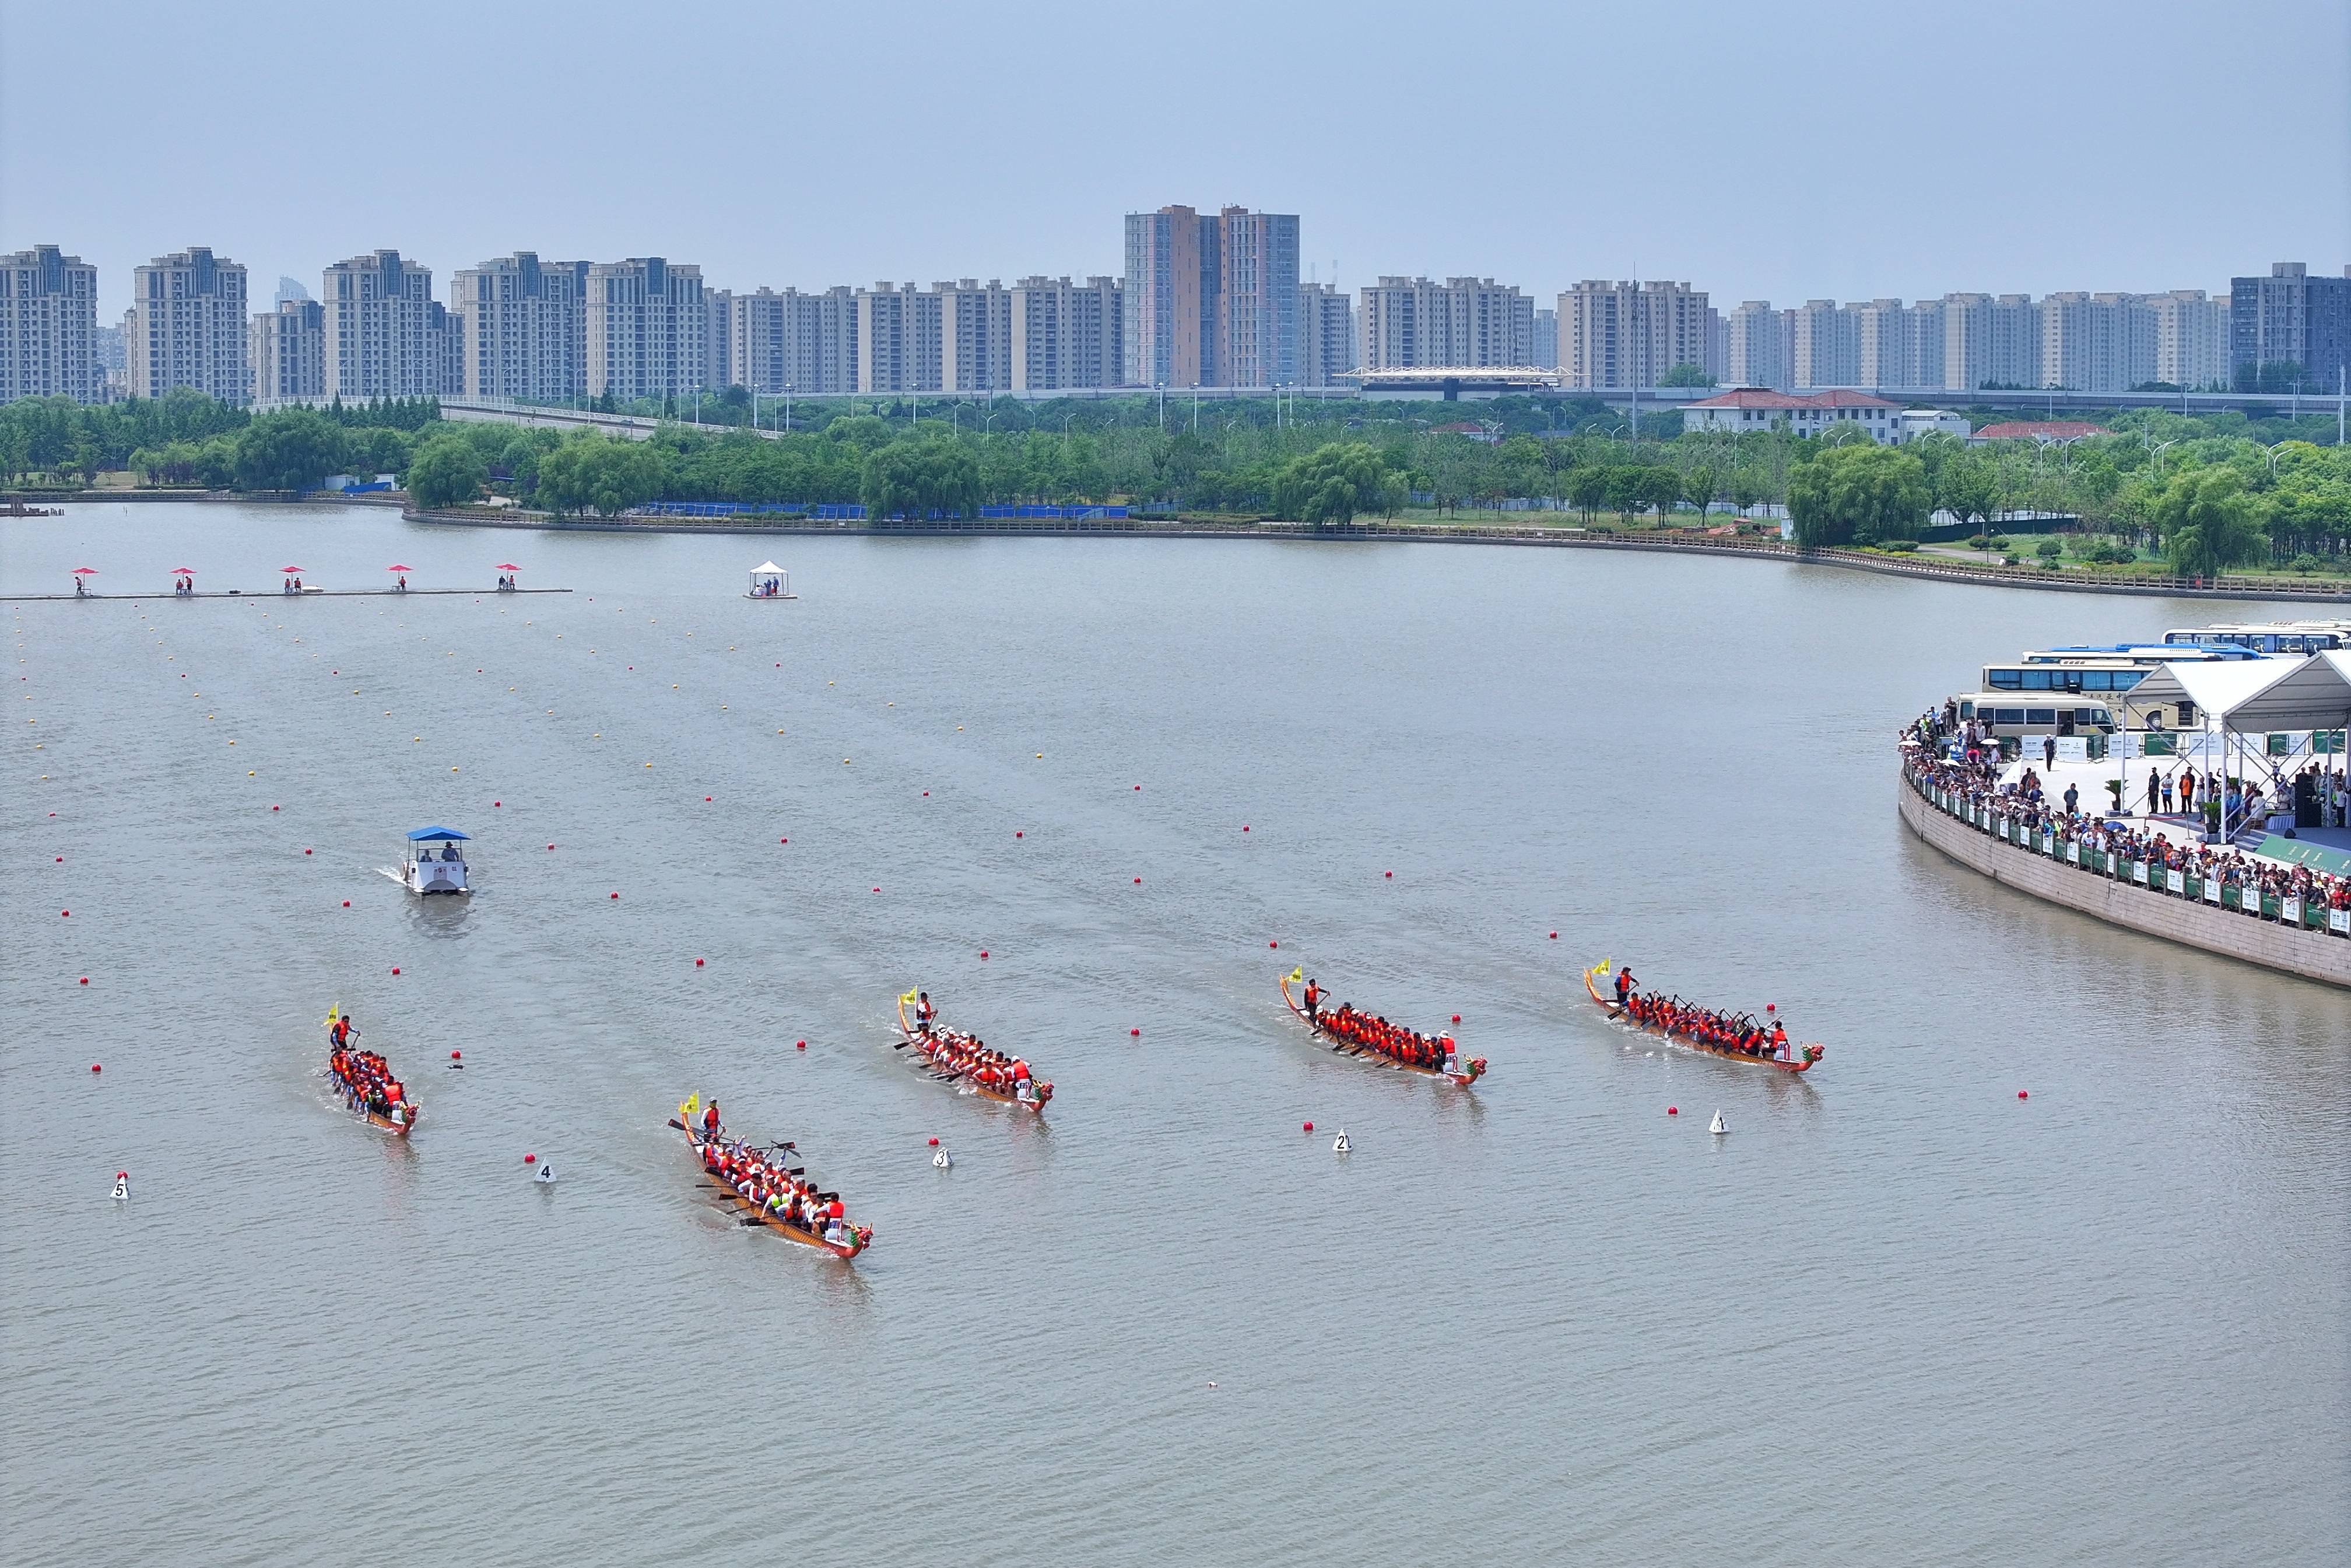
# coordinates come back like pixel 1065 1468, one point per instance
pixel 1897 1314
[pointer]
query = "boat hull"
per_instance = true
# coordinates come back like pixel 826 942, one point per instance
pixel 914 1038
pixel 1802 1063
pixel 1459 1080
pixel 845 1251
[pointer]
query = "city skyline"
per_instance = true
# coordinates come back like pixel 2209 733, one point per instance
pixel 1743 172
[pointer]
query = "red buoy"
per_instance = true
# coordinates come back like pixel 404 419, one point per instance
pixel 530 1159
pixel 1391 875
pixel 347 903
pixel 1138 882
pixel 616 895
pixel 65 914
pixel 983 952
pixel 272 808
pixel 497 802
pixel 783 840
pixel 697 963
pixel 456 1056
pixel 1673 1109
pixel 1015 835
pixel 85 979
pixel 877 890
pixel 927 794
pixel 95 1068
pixel 705 798
pixel 395 971
pixel 551 846
pixel 935 1142
pixel 799 1045
pixel 1457 1018
pixel 1307 1128
pixel 1138 789
pixel 61 859
pixel 1273 944
pixel 1771 1007
pixel 1554 936
pixel 306 852
pixel 1135 1033
pixel 2021 1094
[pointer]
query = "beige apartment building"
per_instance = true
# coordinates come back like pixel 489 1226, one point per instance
pixel 791 342
pixel 647 329
pixel 49 326
pixel 287 350
pixel 1630 334
pixel 379 328
pixel 1065 334
pixel 1411 323
pixel 522 328
pixel 187 327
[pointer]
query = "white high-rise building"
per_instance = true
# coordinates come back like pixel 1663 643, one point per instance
pixel 1881 344
pixel 1824 343
pixel 1067 334
pixel 1922 332
pixel 648 330
pixel 1629 334
pixel 289 352
pixel 522 328
pixel 793 342
pixel 976 350
pixel 1547 339
pixel 1411 323
pixel 49 326
pixel 378 327
pixel 1757 349
pixel 898 345
pixel 188 327
pixel 1327 351
pixel 1991 342
pixel 2096 342
pixel 2191 339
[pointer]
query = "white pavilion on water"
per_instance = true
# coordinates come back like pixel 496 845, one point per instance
pixel 769 581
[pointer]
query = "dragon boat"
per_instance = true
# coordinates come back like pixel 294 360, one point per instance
pixel 776 1157
pixel 1472 1068
pixel 930 1047
pixel 1800 1060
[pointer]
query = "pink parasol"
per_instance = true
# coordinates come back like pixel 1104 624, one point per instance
pixel 289 570
pixel 85 571
pixel 183 571
pixel 399 569
pixel 509 566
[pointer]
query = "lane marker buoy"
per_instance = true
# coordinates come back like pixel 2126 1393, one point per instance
pixel 1718 1126
pixel 944 1160
pixel 1340 1146
pixel 546 1177
pixel 122 1187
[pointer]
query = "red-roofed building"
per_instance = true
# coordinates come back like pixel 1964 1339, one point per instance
pixel 2062 432
pixel 1806 414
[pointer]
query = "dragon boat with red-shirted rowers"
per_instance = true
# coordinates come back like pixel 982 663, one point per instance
pixel 1467 1071
pixel 1799 1059
pixel 935 1047
pixel 774 1161
pixel 365 1099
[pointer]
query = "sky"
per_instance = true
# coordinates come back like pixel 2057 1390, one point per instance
pixel 1783 150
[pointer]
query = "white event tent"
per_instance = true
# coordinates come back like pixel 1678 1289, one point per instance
pixel 2260 697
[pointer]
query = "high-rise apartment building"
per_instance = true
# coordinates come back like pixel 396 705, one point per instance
pixel 898 341
pixel 1411 323
pixel 976 342
pixel 2096 342
pixel 287 350
pixel 1824 343
pixel 1756 351
pixel 717 338
pixel 49 326
pixel 1546 341
pixel 1990 341
pixel 2191 339
pixel 1211 301
pixel 1257 298
pixel 378 327
pixel 648 330
pixel 444 336
pixel 1326 335
pixel 1067 334
pixel 2292 319
pixel 1922 332
pixel 188 327
pixel 793 342
pixel 1631 334
pixel 522 328
pixel 1881 344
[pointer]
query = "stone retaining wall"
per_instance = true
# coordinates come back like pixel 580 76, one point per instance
pixel 2313 954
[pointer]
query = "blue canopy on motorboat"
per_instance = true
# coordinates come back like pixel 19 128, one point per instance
pixel 436 835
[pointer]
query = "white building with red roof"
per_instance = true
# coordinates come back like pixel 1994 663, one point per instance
pixel 1806 414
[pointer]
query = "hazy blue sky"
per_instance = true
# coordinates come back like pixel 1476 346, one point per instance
pixel 1761 149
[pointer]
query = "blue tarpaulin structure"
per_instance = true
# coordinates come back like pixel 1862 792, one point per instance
pixel 436 835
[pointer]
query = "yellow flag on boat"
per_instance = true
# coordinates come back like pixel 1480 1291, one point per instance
pixel 1298 973
pixel 692 1103
pixel 333 1013
pixel 1603 968
pixel 909 998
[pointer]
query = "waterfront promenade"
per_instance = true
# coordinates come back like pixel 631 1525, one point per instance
pixel 2065 862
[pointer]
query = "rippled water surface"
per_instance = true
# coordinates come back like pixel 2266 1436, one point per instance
pixel 1897 1315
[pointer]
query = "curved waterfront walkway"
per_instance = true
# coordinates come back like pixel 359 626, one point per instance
pixel 2295 935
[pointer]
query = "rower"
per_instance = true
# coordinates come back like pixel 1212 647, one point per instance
pixel 1452 1053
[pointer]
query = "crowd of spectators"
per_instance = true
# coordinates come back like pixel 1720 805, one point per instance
pixel 1942 755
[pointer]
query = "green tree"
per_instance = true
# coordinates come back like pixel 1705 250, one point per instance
pixel 2207 523
pixel 914 478
pixel 1587 487
pixel 1857 494
pixel 1685 375
pixel 1661 488
pixel 447 471
pixel 1334 484
pixel 289 451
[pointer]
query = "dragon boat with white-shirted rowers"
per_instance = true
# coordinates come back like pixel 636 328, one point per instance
pixel 1373 1038
pixel 1798 1057
pixel 772 1192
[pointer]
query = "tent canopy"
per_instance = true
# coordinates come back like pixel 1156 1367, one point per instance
pixel 436 835
pixel 2258 695
pixel 771 566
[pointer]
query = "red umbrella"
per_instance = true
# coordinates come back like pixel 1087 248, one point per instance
pixel 85 571
pixel 399 569
pixel 289 570
pixel 183 570
pixel 509 566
